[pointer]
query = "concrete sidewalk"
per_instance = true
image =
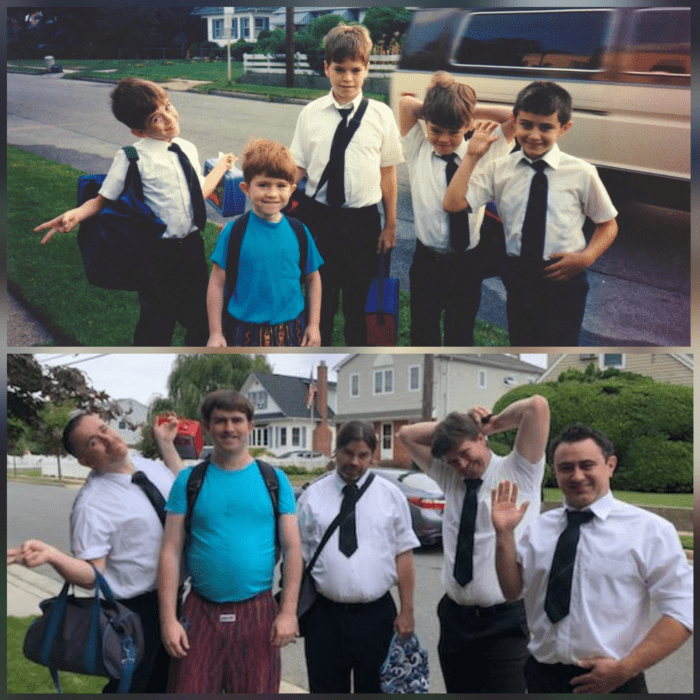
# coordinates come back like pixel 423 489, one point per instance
pixel 27 588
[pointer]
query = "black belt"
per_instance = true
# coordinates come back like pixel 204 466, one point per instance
pixel 355 606
pixel 179 240
pixel 328 211
pixel 431 254
pixel 477 611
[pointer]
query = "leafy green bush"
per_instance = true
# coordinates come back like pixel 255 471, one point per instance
pixel 272 42
pixel 627 408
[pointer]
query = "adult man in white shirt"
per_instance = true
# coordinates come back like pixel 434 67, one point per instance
pixel 590 618
pixel 483 637
pixel 349 628
pixel 115 528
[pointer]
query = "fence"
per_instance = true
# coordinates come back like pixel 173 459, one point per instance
pixel 379 66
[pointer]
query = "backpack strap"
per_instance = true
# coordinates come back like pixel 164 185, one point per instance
pixel 303 241
pixel 192 489
pixel 272 484
pixel 233 256
pixel 133 175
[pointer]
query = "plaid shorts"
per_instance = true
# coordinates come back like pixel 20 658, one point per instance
pixel 257 335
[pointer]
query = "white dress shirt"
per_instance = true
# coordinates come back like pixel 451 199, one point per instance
pixel 484 589
pixel 376 144
pixel 384 531
pixel 426 172
pixel 626 558
pixel 113 518
pixel 165 188
pixel 575 191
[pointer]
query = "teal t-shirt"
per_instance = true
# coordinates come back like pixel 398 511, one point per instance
pixel 231 556
pixel 267 289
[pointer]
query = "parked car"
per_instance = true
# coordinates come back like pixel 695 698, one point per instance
pixel 303 454
pixel 426 501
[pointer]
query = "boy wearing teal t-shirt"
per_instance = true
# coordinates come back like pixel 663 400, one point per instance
pixel 265 300
pixel 228 636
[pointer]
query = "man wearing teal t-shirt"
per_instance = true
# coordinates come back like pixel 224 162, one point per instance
pixel 229 633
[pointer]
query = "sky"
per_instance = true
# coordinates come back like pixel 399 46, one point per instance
pixel 144 376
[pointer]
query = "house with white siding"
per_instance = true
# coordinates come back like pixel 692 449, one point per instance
pixel 391 390
pixel 133 415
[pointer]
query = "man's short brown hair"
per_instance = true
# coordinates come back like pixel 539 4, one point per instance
pixel 448 103
pixel 263 157
pixel 452 432
pixel 134 100
pixel 225 400
pixel 347 42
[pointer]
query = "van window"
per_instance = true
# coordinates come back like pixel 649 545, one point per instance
pixel 659 42
pixel 568 40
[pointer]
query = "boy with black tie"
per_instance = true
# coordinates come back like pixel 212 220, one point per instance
pixel 543 197
pixel 174 283
pixel 347 180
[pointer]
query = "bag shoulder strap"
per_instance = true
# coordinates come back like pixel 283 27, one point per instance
pixel 302 240
pixel 133 176
pixel 233 256
pixel 272 483
pixel 336 522
pixel 192 489
pixel 352 127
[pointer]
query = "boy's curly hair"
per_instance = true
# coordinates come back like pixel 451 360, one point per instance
pixel 347 42
pixel 134 100
pixel 448 103
pixel 263 157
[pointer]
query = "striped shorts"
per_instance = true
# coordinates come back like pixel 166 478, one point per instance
pixel 257 335
pixel 230 648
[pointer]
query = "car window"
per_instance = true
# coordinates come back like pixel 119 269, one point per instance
pixel 569 40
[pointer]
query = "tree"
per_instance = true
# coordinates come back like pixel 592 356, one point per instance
pixel 310 41
pixel 54 418
pixel 635 411
pixel 387 24
pixel 193 376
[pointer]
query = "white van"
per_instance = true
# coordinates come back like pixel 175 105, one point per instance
pixel 627 70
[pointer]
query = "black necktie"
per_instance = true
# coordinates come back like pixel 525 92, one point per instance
pixel 464 565
pixel 347 537
pixel 200 214
pixel 335 194
pixel 459 221
pixel 152 493
pixel 556 602
pixel 532 244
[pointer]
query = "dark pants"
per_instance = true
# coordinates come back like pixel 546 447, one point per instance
pixel 449 282
pixel 483 650
pixel 347 241
pixel 151 675
pixel 175 290
pixel 555 678
pixel 542 313
pixel 343 640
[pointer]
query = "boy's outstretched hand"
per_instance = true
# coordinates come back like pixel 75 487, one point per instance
pixel 312 337
pixel 482 138
pixel 64 223
pixel 216 340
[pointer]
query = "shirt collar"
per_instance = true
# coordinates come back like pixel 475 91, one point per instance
pixel 600 508
pixel 340 482
pixel 155 145
pixel 461 151
pixel 551 157
pixel 354 104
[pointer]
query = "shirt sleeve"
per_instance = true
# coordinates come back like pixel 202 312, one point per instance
pixel 177 500
pixel 412 142
pixel 313 257
pixel 598 205
pixel 481 190
pixel 113 184
pixel 298 148
pixel 220 253
pixel 391 153
pixel 405 536
pixel 287 501
pixel 91 531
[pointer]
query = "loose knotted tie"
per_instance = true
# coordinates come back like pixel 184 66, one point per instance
pixel 200 214
pixel 335 194
pixel 464 556
pixel 152 493
pixel 459 221
pixel 347 537
pixel 532 244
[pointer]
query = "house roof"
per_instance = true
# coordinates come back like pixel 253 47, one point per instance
pixel 236 10
pixel 498 361
pixel 289 393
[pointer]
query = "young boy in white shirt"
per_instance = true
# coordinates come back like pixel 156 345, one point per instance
pixel 174 283
pixel 446 273
pixel 342 212
pixel 543 197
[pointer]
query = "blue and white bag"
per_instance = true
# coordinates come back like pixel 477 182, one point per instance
pixel 405 669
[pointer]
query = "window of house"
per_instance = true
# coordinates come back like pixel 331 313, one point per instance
pixel 354 385
pixel 283 437
pixel 217 29
pixel 261 23
pixel 386 436
pixel 616 360
pixel 481 379
pixel 659 41
pixel 384 381
pixel 234 27
pixel 258 399
pixel 122 425
pixel 414 378
pixel 296 435
pixel 303 436
pixel 549 39
pixel 245 27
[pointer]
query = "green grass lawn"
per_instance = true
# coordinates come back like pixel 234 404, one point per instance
pixel 662 500
pixel 24 676
pixel 51 277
